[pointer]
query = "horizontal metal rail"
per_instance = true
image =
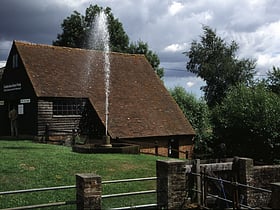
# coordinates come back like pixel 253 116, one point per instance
pixel 228 201
pixel 38 190
pixel 219 198
pixel 233 183
pixel 128 194
pixel 195 174
pixel 63 203
pixel 254 188
pixel 196 190
pixel 129 180
pixel 73 187
pixel 135 207
pixel 239 184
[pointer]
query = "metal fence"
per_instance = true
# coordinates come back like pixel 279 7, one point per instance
pixel 235 200
pixel 64 203
pixel 131 193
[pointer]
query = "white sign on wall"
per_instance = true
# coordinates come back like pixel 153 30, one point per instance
pixel 20 109
pixel 25 101
pixel 12 87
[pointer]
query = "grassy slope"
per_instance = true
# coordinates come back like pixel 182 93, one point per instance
pixel 27 165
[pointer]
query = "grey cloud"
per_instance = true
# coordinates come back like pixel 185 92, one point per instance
pixel 35 21
pixel 39 21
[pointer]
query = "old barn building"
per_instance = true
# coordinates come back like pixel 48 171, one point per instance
pixel 51 86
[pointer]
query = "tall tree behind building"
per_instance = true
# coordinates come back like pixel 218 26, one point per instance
pixel 216 63
pixel 76 30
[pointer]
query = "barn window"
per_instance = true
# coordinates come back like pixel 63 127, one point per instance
pixel 68 106
pixel 15 61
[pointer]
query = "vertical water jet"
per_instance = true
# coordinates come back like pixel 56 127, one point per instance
pixel 99 40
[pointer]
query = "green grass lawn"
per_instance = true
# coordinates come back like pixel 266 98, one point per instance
pixel 25 165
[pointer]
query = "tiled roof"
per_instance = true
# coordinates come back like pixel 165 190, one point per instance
pixel 139 104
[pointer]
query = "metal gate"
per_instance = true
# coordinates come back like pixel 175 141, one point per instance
pixel 210 190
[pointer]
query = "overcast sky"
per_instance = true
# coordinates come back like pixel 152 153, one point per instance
pixel 167 26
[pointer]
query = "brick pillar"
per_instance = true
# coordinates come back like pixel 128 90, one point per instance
pixel 171 184
pixel 244 169
pixel 88 192
pixel 275 195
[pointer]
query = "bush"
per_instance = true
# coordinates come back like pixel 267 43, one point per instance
pixel 198 114
pixel 248 122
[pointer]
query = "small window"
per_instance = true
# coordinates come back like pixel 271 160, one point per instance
pixel 68 106
pixel 15 61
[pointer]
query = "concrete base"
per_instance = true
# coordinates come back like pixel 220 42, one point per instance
pixel 106 142
pixel 120 148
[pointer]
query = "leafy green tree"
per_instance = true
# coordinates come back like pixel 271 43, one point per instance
pixel 142 48
pixel 247 121
pixel 216 63
pixel 73 31
pixel 273 80
pixel 198 114
pixel 76 30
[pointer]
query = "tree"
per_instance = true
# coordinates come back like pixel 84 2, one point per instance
pixel 198 114
pixel 142 48
pixel 73 32
pixel 247 121
pixel 273 80
pixel 76 30
pixel 216 63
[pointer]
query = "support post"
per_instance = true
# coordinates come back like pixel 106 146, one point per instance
pixel 275 195
pixel 156 148
pixel 244 167
pixel 198 180
pixel 47 133
pixel 73 139
pixel 171 184
pixel 89 191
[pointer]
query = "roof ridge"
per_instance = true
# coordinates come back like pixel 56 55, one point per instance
pixel 71 48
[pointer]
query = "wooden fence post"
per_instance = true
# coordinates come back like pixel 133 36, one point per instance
pixel 88 192
pixel 198 180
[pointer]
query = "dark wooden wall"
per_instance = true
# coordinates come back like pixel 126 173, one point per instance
pixel 58 123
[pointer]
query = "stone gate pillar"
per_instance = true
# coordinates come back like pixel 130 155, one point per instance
pixel 88 192
pixel 275 195
pixel 243 168
pixel 171 184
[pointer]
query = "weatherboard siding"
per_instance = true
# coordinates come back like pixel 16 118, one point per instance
pixel 57 124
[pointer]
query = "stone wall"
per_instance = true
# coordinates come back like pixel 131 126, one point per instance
pixel 263 176
pixel 160 146
pixel 173 182
pixel 244 172
pixel 185 152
